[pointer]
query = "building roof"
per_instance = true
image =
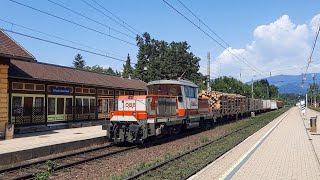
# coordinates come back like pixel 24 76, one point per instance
pixel 62 74
pixel 11 49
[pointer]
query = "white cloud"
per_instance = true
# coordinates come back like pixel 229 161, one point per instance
pixel 279 45
pixel 315 23
pixel 105 66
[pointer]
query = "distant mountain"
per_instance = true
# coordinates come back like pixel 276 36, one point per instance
pixel 292 83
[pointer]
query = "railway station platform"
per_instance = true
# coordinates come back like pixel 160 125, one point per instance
pixel 33 145
pixel 284 149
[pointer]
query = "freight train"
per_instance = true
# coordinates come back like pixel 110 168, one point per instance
pixel 173 105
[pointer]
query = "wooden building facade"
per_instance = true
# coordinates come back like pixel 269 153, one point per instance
pixel 34 93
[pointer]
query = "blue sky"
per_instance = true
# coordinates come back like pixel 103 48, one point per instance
pixel 234 21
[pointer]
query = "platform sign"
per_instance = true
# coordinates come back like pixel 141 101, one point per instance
pixel 61 91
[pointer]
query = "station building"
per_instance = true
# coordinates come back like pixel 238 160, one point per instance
pixel 34 93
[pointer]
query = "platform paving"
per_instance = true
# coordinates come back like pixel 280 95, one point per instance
pixel 283 149
pixel 45 143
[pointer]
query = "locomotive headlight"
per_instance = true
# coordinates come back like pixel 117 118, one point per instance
pixel 134 114
pixel 112 114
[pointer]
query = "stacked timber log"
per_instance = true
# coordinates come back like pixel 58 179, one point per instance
pixel 213 97
pixel 225 103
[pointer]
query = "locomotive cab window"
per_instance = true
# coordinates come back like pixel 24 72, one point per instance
pixel 190 92
pixel 165 89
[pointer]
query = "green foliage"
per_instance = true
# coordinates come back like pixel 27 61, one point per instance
pixel 313 93
pixel 79 62
pixel 52 165
pixel 261 89
pixel 100 69
pixel 44 175
pixel 127 69
pixel 289 99
pixel 230 85
pixel 159 59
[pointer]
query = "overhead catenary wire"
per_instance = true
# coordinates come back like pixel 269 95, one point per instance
pixel 90 5
pixel 116 17
pixel 220 44
pixel 212 30
pixel 311 54
pixel 72 22
pixel 86 17
pixel 60 38
pixel 63 45
pixel 203 23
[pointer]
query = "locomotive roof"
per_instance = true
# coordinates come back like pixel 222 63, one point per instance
pixel 179 82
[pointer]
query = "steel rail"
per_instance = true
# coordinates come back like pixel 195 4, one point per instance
pixel 19 166
pixel 143 172
pixel 65 157
pixel 76 162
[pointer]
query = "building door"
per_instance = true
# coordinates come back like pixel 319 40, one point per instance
pixel 28 102
pixel 60 108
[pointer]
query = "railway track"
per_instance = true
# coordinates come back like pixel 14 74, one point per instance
pixel 27 171
pixel 157 166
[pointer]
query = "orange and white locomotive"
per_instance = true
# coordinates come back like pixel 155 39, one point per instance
pixel 168 107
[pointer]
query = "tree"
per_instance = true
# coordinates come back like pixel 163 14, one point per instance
pixel 162 60
pixel 127 69
pixel 79 62
pixel 230 85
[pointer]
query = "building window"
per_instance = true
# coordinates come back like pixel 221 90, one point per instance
pixel 92 91
pixel 39 87
pixel 85 105
pixel 39 103
pixel 85 90
pixel 111 92
pixel 100 91
pixel 60 105
pixel 78 90
pixel 51 106
pixel 29 86
pixel 68 105
pixel 17 86
pixel 117 92
pixel 92 105
pixel 16 105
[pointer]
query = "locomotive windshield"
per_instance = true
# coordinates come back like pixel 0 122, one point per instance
pixel 165 89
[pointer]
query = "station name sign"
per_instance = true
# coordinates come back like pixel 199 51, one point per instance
pixel 61 91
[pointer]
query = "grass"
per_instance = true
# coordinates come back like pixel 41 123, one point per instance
pixel 315 108
pixel 195 161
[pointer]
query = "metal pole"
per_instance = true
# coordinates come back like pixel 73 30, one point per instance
pixel 314 91
pixel 252 88
pixel 208 80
